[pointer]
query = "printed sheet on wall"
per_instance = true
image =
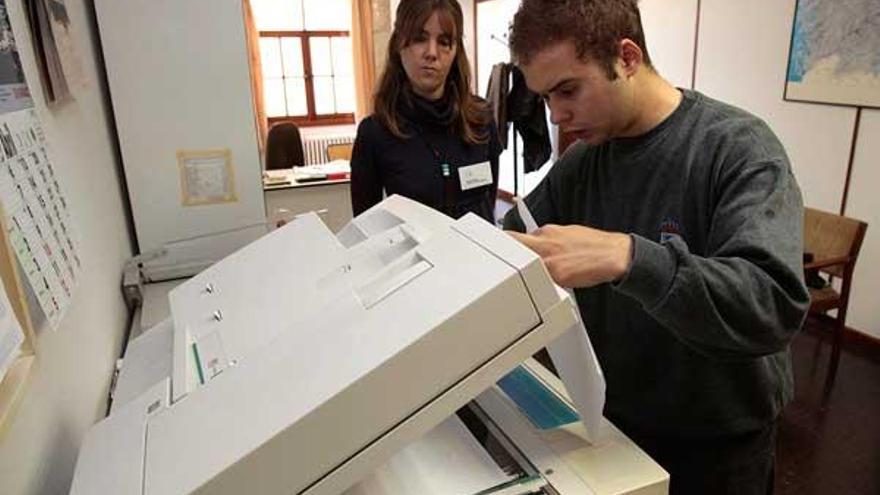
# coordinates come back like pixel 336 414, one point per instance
pixel 37 217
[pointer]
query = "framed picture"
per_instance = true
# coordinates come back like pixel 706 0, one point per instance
pixel 206 177
pixel 834 50
pixel 14 94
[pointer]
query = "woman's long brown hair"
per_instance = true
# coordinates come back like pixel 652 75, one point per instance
pixel 471 114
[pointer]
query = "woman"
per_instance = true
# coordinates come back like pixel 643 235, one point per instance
pixel 429 138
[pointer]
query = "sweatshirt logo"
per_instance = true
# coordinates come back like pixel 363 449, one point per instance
pixel 670 229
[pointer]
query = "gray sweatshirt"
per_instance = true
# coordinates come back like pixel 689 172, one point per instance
pixel 694 339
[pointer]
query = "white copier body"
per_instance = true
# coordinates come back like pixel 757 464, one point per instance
pixel 306 360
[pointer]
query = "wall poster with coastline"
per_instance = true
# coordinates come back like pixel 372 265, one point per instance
pixel 835 53
pixel 14 93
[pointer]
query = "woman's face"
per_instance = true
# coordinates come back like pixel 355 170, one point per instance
pixel 428 58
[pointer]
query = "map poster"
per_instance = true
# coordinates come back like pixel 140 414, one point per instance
pixel 834 53
pixel 14 94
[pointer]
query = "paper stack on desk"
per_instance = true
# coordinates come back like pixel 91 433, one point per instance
pixel 280 177
pixel 335 170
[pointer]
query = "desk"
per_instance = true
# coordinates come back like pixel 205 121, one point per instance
pixel 330 198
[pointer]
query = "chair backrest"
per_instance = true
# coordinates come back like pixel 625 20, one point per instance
pixel 284 148
pixel 339 151
pixel 829 236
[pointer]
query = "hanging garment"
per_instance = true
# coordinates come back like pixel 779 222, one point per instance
pixel 526 110
pixel 516 104
pixel 496 95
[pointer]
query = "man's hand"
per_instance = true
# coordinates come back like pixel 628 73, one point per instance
pixel 578 256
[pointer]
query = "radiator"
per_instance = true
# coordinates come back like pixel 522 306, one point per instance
pixel 315 147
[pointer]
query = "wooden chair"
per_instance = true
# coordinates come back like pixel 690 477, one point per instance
pixel 339 152
pixel 834 242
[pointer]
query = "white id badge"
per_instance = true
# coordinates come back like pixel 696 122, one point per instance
pixel 476 175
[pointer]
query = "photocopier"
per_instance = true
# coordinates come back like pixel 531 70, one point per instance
pixel 392 357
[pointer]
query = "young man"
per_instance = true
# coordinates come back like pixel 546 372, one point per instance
pixel 678 221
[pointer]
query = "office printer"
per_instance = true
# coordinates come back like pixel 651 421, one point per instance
pixel 361 362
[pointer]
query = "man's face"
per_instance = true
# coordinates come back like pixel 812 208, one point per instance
pixel 582 99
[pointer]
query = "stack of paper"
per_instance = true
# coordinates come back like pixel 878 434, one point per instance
pixel 277 177
pixel 335 170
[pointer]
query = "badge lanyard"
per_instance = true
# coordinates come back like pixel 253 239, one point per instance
pixel 449 192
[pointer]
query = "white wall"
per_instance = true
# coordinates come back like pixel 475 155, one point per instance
pixel 68 389
pixel 864 203
pixel 470 38
pixel 670 33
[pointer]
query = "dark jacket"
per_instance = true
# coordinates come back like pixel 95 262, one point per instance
pixel 514 103
pixel 413 166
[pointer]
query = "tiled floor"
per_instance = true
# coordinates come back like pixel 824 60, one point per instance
pixel 835 451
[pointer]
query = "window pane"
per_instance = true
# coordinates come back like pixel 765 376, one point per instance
pixel 278 15
pixel 270 57
pixel 273 92
pixel 344 94
pixel 328 15
pixel 296 96
pixel 342 64
pixel 322 65
pixel 291 48
pixel 324 103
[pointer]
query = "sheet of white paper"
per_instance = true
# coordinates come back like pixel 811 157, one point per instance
pixel 525 215
pixel 207 178
pixel 334 167
pixel 447 460
pixel 11 335
pixel 575 359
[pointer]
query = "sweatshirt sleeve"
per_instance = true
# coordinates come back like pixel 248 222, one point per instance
pixel 746 297
pixel 366 178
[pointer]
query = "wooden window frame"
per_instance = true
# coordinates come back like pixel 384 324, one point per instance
pixel 312 119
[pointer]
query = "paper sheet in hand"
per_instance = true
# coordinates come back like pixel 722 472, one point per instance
pixel 575 359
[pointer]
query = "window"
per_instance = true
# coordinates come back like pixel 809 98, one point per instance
pixel 306 53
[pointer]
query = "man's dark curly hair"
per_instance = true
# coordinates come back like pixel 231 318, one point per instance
pixel 595 27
